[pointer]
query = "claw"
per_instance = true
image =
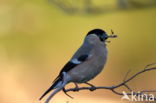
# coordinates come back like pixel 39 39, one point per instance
pixel 67 93
pixel 76 89
pixel 92 87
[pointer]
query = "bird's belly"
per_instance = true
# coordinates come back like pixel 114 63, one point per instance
pixel 89 69
pixel 85 74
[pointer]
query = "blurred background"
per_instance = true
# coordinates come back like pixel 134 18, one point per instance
pixel 37 37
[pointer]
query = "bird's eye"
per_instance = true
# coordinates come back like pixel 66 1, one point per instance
pixel 103 37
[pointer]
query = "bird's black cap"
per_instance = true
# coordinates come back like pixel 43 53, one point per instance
pixel 100 33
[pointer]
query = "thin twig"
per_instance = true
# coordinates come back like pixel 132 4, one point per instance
pixel 148 91
pixel 126 75
pixel 112 88
pixel 149 65
pixel 132 77
pixel 128 87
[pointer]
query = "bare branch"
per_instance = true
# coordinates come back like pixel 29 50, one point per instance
pixel 149 65
pixel 127 87
pixel 132 77
pixel 126 75
pixel 112 88
pixel 148 91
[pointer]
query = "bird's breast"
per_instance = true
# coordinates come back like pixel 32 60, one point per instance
pixel 90 68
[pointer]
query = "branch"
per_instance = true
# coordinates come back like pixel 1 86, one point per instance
pixel 124 84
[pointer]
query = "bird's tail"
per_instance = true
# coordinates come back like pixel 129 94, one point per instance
pixel 55 91
pixel 56 84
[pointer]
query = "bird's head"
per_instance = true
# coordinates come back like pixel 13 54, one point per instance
pixel 100 34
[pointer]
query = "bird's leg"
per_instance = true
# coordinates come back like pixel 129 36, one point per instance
pixel 92 86
pixel 64 90
pixel 76 87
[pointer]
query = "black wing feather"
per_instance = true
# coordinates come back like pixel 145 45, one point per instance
pixel 82 58
pixel 70 65
pixel 66 68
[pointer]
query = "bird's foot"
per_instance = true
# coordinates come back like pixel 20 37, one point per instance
pixel 76 89
pixel 64 90
pixel 92 87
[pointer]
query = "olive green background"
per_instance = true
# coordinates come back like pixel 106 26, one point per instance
pixel 37 39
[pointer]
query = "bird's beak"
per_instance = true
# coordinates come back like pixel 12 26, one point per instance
pixel 110 36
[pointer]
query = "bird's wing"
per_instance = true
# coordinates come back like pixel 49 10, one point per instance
pixel 74 62
pixel 71 64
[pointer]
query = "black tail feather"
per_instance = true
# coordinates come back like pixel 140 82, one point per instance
pixel 51 88
pixel 47 91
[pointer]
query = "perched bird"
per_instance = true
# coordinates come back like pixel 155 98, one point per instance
pixel 86 63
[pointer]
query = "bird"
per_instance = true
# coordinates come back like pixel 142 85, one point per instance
pixel 87 62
